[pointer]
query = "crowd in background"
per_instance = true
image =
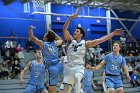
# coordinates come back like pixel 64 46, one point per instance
pixel 12 54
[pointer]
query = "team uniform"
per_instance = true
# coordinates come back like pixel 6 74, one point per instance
pixel 114 63
pixel 87 81
pixel 52 62
pixel 36 80
pixel 75 57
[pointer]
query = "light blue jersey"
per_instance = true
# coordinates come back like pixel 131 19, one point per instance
pixel 87 81
pixel 52 61
pixel 50 53
pixel 114 64
pixel 36 80
pixel 37 73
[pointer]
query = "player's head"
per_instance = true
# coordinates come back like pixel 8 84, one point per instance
pixel 49 36
pixel 79 32
pixel 117 46
pixel 38 53
pixel 88 64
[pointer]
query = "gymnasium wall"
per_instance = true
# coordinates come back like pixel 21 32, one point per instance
pixel 128 24
pixel 12 17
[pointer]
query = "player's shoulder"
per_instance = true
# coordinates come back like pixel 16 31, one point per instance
pixel 108 54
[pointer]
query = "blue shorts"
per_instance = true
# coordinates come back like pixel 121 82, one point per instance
pixel 88 89
pixel 30 88
pixel 54 71
pixel 113 82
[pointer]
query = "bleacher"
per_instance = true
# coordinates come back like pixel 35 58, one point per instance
pixel 13 86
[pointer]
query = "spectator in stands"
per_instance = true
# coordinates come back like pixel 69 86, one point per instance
pixel 29 45
pixel 9 43
pixel 4 70
pixel 130 69
pixel 16 58
pixel 123 40
pixel 20 53
pixel 88 83
pixel 137 50
pixel 37 75
pixel 50 52
pixel 4 50
pixel 133 61
pixel 9 59
pixel 130 49
pixel 13 50
pixel 102 55
pixel 114 62
pixel 16 68
pixel 98 51
pixel 135 79
pixel 90 55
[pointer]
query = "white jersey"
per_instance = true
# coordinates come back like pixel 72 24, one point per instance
pixel 76 53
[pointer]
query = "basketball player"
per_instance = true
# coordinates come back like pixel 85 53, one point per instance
pixel 75 54
pixel 50 54
pixel 37 74
pixel 114 62
pixel 88 82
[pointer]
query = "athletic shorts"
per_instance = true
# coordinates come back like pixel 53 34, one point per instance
pixel 69 75
pixel 113 82
pixel 54 71
pixel 30 88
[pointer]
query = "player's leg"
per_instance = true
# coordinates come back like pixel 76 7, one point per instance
pixel 109 84
pixel 44 91
pixel 78 77
pixel 69 80
pixel 119 85
pixel 67 88
pixel 52 89
pixel 53 77
pixel 119 90
pixel 110 90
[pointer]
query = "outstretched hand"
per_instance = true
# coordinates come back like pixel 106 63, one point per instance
pixel 21 82
pixel 74 15
pixel 118 32
pixel 31 27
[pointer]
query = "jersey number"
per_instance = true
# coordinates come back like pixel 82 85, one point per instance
pixel 51 49
pixel 113 67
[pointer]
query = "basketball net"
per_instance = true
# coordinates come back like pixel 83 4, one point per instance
pixel 38 6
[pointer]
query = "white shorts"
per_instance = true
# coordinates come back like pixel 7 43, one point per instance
pixel 69 75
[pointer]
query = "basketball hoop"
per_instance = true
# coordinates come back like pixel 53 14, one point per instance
pixel 38 6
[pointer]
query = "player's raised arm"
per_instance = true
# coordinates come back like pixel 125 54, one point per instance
pixel 66 33
pixel 104 38
pixel 35 39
